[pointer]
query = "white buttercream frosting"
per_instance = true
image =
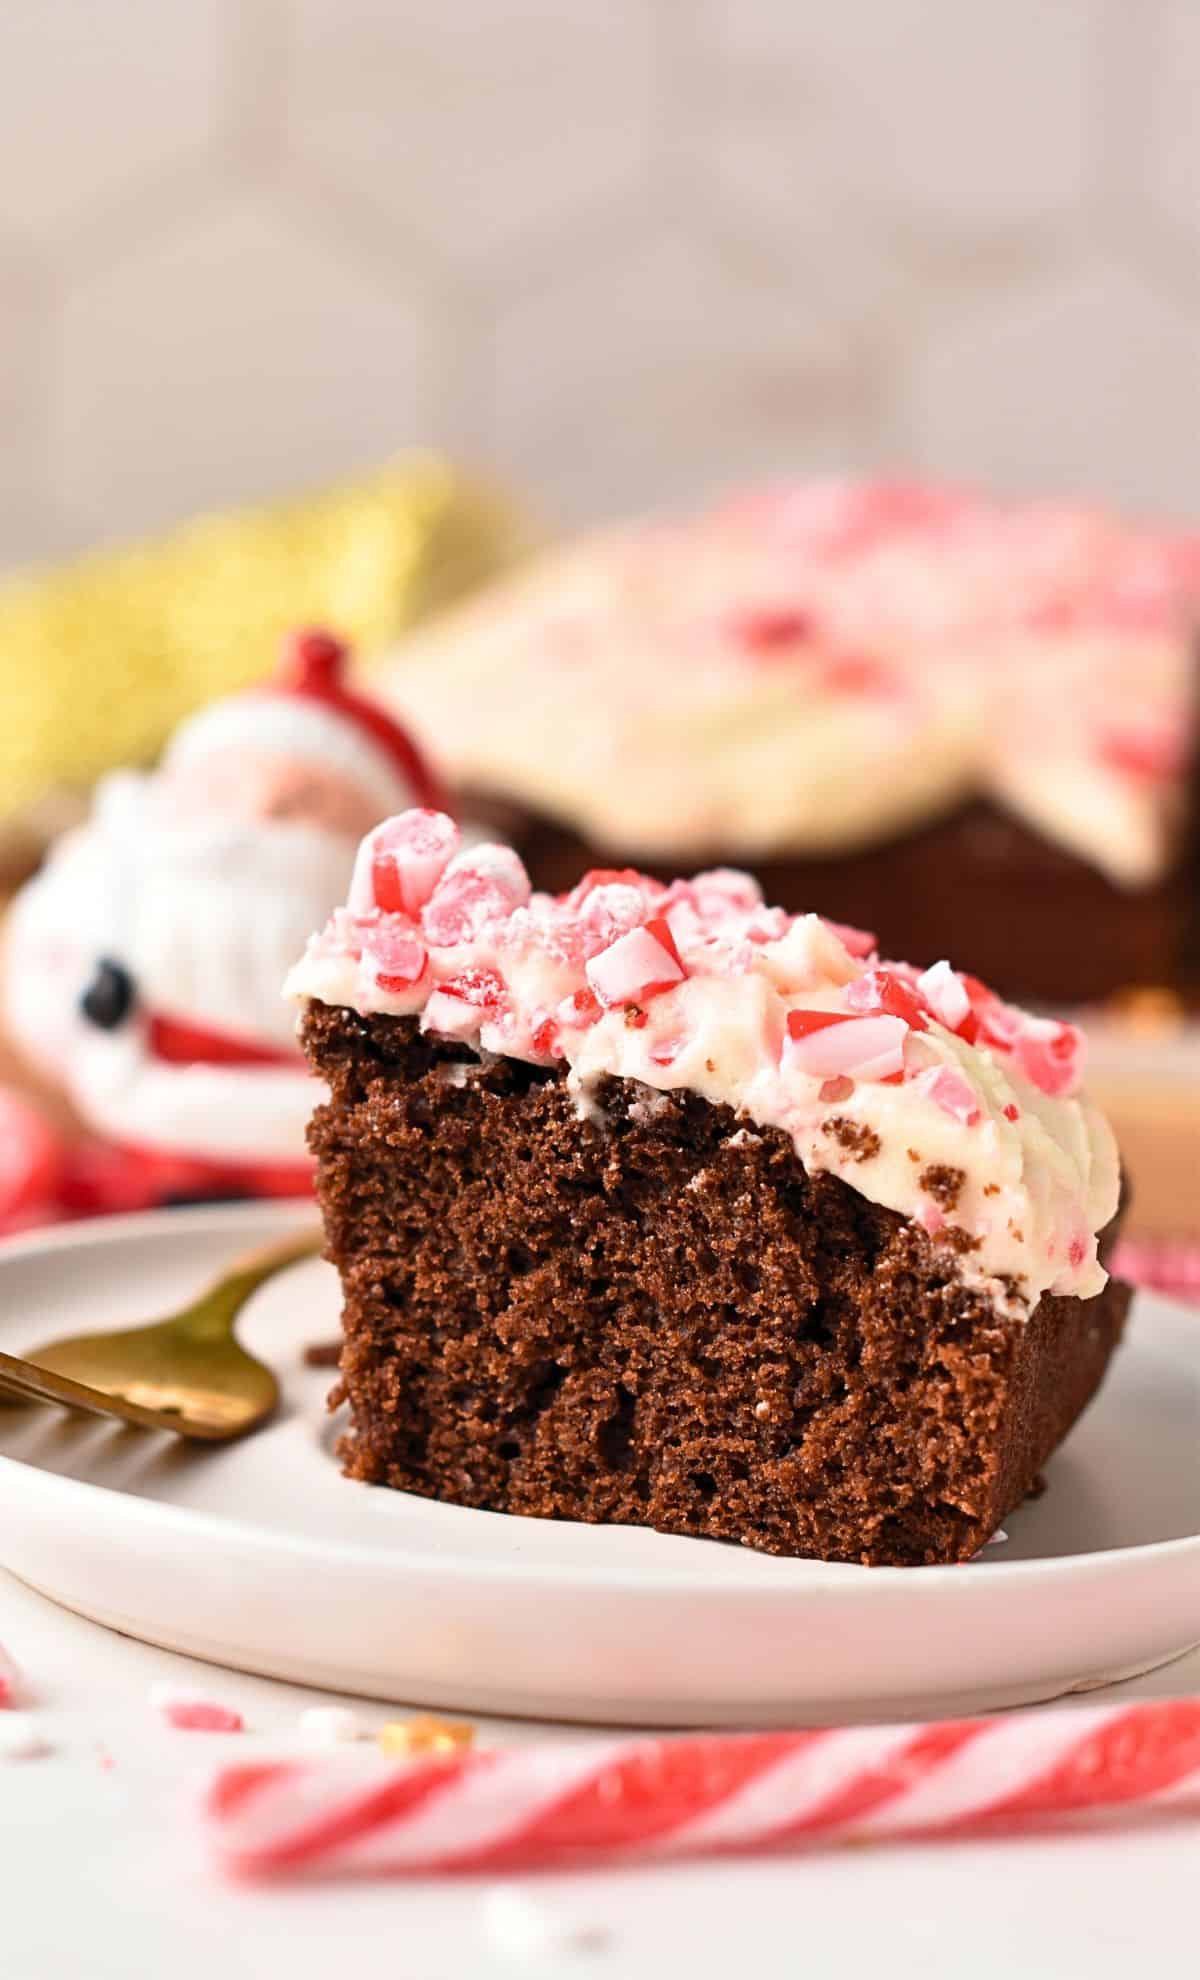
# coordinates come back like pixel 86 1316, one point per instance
pixel 923 1091
pixel 820 668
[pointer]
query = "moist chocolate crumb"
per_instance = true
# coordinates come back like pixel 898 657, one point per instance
pixel 943 1183
pixel 582 1318
pixel 914 1154
pixel 991 1189
pixel 322 1354
pixel 859 1141
pixel 958 1241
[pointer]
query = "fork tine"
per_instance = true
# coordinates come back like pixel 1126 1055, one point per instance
pixel 33 1384
pixel 15 1392
pixel 28 1382
pixel 15 1378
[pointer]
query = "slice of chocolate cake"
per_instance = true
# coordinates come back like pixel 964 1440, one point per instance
pixel 654 1204
pixel 969 724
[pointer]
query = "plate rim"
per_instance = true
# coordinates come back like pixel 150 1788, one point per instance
pixel 817 1576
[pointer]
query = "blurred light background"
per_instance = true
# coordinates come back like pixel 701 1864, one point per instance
pixel 616 250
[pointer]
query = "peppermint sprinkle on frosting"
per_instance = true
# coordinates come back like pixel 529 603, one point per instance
pixel 887 1075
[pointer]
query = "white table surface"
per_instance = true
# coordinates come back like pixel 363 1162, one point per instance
pixel 103 1875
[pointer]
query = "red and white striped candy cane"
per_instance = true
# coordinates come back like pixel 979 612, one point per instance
pixel 629 1798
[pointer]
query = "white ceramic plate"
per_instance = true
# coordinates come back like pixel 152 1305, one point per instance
pixel 262 1557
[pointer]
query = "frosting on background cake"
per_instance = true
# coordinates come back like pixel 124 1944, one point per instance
pixel 921 1089
pixel 818 669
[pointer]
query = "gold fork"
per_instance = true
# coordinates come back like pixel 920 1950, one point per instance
pixel 187 1373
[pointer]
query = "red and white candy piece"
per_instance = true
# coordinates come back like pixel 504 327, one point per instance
pixel 580 1010
pixel 825 1044
pixel 1050 1055
pixel 400 863
pixel 193 1711
pixel 616 908
pixel 545 1036
pixel 637 1799
pixel 856 941
pixel 602 876
pixel 480 886
pixel 945 993
pixel 459 1004
pixel 724 891
pixel 396 952
pixel 950 1090
pixel 999 1023
pixel 885 990
pixel 766 631
pixel 637 966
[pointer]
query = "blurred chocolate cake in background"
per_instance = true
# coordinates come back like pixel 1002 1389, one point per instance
pixel 967 726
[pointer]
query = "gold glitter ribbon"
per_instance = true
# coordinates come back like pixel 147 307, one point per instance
pixel 101 658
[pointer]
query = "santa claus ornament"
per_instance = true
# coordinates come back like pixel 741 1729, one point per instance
pixel 143 964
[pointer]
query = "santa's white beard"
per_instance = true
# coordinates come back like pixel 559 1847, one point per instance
pixel 206 918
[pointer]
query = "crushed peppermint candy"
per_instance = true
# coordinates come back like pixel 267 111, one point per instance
pixel 193 1711
pixel 396 951
pixel 829 1044
pixel 400 863
pixel 945 993
pixel 637 965
pixel 952 1092
pixel 478 887
pixel 765 631
pixel 793 1021
pixel 10 1679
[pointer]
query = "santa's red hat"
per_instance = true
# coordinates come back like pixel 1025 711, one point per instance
pixel 306 712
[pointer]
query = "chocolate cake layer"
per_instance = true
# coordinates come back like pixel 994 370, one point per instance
pixel 657 1317
pixel 1028 917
